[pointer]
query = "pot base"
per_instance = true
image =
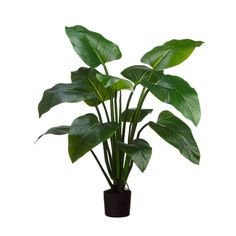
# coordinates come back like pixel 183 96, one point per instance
pixel 117 204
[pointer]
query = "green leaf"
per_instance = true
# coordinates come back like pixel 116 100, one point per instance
pixel 139 73
pixel 177 92
pixel 177 133
pixel 140 152
pixel 59 130
pixel 114 82
pixel 170 54
pixel 60 93
pixel 86 132
pixel 131 112
pixel 87 77
pixel 92 47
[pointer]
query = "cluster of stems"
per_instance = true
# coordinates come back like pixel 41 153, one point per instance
pixel 119 164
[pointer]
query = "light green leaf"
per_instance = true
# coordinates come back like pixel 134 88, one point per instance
pixel 114 82
pixel 140 152
pixel 92 47
pixel 86 132
pixel 177 133
pixel 177 92
pixel 170 54
pixel 139 73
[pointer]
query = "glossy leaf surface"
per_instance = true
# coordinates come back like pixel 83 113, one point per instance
pixel 86 132
pixel 60 93
pixel 131 112
pixel 170 54
pixel 140 152
pixel 92 47
pixel 139 73
pixel 59 130
pixel 177 133
pixel 114 82
pixel 87 77
pixel 177 92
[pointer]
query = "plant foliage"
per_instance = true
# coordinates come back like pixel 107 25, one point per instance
pixel 116 126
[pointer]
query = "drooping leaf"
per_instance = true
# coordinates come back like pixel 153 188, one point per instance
pixel 139 73
pixel 140 152
pixel 177 92
pixel 87 77
pixel 86 132
pixel 60 93
pixel 92 47
pixel 170 54
pixel 131 112
pixel 177 133
pixel 114 82
pixel 59 130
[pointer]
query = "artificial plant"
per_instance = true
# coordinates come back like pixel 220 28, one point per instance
pixel 115 125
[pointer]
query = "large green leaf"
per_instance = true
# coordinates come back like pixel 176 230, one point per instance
pixel 139 73
pixel 170 54
pixel 59 130
pixel 131 112
pixel 92 47
pixel 140 152
pixel 177 133
pixel 177 92
pixel 60 93
pixel 114 82
pixel 87 77
pixel 86 132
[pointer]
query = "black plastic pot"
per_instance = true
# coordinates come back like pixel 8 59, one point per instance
pixel 117 204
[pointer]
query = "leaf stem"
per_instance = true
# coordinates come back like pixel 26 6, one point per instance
pixel 141 129
pixel 103 171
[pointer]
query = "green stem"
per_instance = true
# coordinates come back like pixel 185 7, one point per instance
pixel 105 109
pixel 115 159
pixel 106 149
pixel 141 129
pixel 103 171
pixel 126 113
pixel 136 115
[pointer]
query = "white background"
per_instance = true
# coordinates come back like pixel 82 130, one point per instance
pixel 42 193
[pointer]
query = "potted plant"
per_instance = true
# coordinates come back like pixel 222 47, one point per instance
pixel 115 125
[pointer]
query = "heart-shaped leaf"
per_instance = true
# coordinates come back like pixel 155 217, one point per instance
pixel 86 132
pixel 92 47
pixel 177 133
pixel 139 73
pixel 114 82
pixel 87 77
pixel 59 130
pixel 60 93
pixel 139 150
pixel 170 54
pixel 131 112
pixel 177 92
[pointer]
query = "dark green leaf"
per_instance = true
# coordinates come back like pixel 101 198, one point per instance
pixel 139 73
pixel 177 133
pixel 170 54
pixel 60 93
pixel 59 130
pixel 140 152
pixel 86 132
pixel 177 92
pixel 87 77
pixel 114 82
pixel 92 47
pixel 130 113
